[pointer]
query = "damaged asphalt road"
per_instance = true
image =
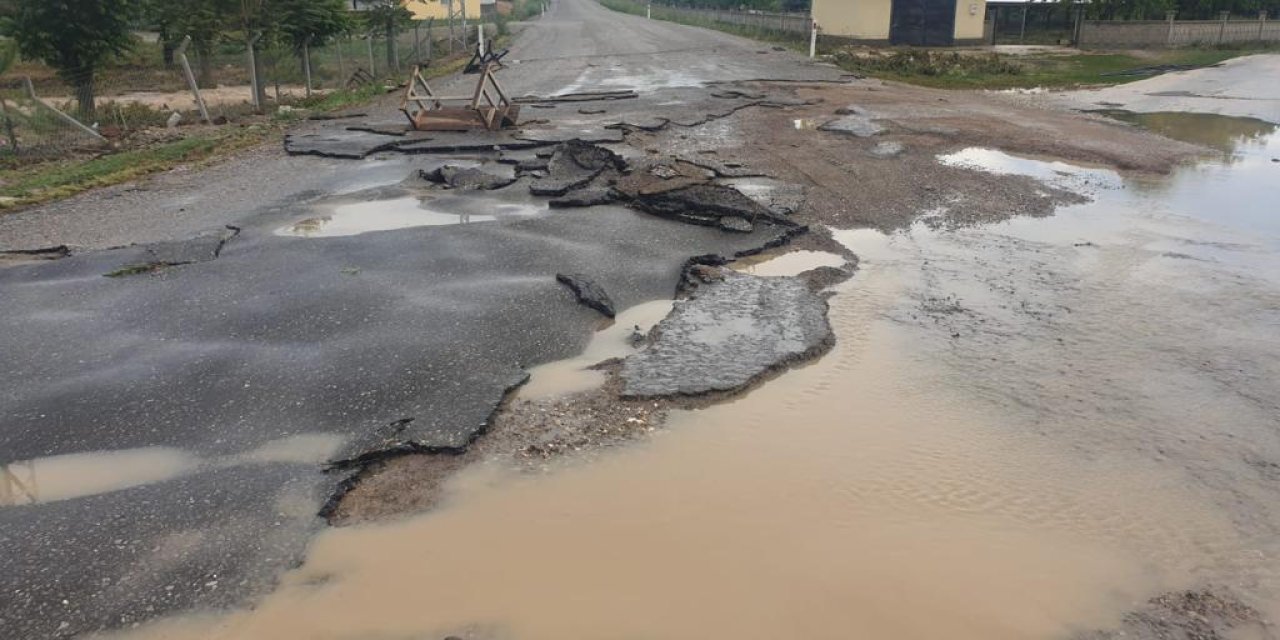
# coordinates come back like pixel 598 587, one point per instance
pixel 185 380
pixel 390 341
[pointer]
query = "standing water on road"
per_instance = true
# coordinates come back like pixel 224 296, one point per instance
pixel 1025 430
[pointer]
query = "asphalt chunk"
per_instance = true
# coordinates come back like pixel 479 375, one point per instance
pixel 588 292
pixel 732 331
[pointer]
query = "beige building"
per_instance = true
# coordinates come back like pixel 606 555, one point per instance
pixel 926 23
pixel 439 9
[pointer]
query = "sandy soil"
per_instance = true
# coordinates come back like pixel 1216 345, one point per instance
pixel 851 186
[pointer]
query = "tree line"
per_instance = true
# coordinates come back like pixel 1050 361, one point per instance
pixel 77 37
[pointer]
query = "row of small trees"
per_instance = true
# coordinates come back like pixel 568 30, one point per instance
pixel 77 37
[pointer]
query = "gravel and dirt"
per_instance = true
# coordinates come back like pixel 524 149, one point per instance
pixel 408 343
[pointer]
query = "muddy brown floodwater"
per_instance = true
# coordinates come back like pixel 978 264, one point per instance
pixel 1025 430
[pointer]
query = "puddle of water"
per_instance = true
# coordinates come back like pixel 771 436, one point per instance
pixel 1225 133
pixel 852 497
pixel 302 448
pixel 382 215
pixel 82 474
pixel 573 375
pixel 1065 175
pixel 1233 193
pixel 793 263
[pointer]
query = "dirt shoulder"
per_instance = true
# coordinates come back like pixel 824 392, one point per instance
pixel 888 179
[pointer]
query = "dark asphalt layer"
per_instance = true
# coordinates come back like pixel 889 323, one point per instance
pixel 276 337
pixel 262 337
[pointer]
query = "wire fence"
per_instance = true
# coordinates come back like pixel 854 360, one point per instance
pixel 43 114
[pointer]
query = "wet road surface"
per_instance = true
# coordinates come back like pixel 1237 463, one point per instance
pixel 343 309
pixel 1026 429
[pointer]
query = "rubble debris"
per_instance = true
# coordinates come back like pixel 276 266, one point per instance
pixel 467 178
pixel 583 96
pixel 1188 615
pixel 701 204
pixel 587 196
pixel 887 149
pixel 586 135
pixel 588 292
pixel 397 130
pixel 855 122
pixel 573 165
pixel 728 334
pixel 734 223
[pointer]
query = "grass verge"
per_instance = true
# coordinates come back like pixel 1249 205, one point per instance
pixel 48 181
pixel 25 184
pixel 972 70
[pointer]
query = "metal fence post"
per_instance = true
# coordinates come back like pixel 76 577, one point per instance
pixel 255 83
pixel 31 91
pixel 306 62
pixel 342 67
pixel 9 133
pixel 813 39
pixel 181 52
pixel 1262 24
pixel 372 69
pixel 1222 29
pixel 430 42
pixel 1169 15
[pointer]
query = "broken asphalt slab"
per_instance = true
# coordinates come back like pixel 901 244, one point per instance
pixel 731 332
pixel 588 292
pixel 281 336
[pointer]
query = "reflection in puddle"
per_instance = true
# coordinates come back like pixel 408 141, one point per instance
pixel 1056 173
pixel 77 475
pixel 303 448
pixel 1225 133
pixel 614 341
pixel 1237 192
pixel 787 264
pixel 381 215
pixel 82 474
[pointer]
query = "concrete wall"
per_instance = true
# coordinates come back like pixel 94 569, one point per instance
pixel 424 9
pixel 1163 33
pixel 854 19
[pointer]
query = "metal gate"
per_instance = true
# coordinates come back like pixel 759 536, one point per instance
pixel 923 23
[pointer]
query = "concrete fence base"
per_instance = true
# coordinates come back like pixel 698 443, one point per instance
pixel 1110 34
